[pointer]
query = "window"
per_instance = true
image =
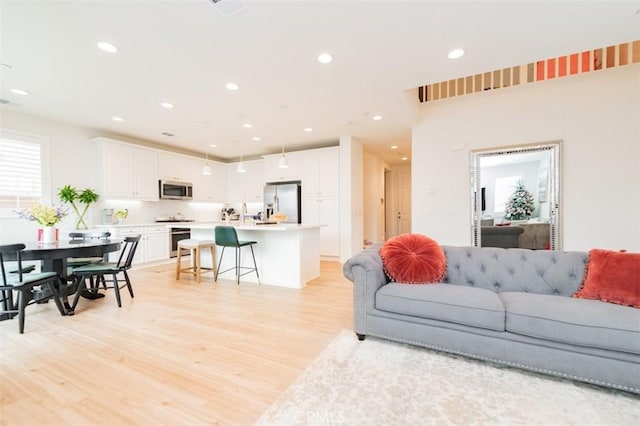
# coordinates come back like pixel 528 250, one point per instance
pixel 21 169
pixel 504 188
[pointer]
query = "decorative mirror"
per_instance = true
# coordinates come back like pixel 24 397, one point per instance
pixel 515 196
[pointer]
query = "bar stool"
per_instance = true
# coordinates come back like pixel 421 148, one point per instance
pixel 195 247
pixel 227 236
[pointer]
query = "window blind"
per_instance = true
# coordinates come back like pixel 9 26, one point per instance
pixel 20 173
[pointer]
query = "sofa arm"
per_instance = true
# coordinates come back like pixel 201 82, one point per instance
pixel 366 273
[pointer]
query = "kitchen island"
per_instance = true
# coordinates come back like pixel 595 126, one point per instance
pixel 287 255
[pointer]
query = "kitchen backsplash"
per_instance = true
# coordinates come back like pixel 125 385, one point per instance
pixel 148 211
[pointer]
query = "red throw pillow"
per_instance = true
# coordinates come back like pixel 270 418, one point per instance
pixel 612 276
pixel 413 259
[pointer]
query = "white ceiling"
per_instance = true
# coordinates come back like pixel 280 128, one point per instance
pixel 184 52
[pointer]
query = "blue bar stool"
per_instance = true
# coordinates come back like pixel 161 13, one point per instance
pixel 226 236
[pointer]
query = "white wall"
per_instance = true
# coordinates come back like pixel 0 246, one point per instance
pixel 73 161
pixel 597 115
pixel 351 197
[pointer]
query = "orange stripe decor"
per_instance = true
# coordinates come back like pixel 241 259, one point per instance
pixel 562 66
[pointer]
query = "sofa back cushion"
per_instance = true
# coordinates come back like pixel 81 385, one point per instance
pixel 532 271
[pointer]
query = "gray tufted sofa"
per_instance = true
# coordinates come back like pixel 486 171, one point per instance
pixel 510 306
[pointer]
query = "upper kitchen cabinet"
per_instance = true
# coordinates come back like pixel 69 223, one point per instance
pixel 273 172
pixel 128 172
pixel 175 167
pixel 209 188
pixel 248 186
pixel 320 172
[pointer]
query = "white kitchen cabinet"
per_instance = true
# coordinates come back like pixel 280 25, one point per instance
pixel 320 171
pixel 212 188
pixel 175 167
pixel 128 172
pixel 245 187
pixel 273 172
pixel 324 211
pixel 254 190
pixel 123 232
pixel 153 245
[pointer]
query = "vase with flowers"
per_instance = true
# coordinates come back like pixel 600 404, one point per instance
pixel 45 215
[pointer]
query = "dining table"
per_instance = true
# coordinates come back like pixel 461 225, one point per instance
pixel 53 258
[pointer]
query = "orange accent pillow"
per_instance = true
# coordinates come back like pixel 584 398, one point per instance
pixel 612 276
pixel 413 259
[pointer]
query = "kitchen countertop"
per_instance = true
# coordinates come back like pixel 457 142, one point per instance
pixel 250 226
pixel 208 225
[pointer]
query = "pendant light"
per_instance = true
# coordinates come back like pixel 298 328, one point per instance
pixel 241 168
pixel 283 160
pixel 206 170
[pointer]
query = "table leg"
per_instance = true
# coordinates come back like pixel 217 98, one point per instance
pixel 59 266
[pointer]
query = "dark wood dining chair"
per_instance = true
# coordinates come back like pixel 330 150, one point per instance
pixel 23 285
pixel 108 272
pixel 86 236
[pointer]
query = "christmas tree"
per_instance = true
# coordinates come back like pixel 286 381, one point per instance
pixel 520 205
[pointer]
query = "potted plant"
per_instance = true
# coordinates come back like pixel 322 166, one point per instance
pixel 121 215
pixel 68 194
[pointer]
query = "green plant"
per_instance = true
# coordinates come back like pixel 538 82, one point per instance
pixel 70 195
pixel 121 214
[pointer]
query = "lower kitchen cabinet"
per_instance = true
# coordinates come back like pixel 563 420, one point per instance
pixel 155 243
pixel 153 246
pixel 324 211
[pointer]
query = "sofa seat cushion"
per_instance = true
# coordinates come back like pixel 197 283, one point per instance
pixel 589 323
pixel 471 306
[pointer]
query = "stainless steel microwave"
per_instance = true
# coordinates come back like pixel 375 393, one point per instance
pixel 172 190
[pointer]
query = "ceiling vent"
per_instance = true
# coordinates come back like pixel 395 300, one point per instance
pixel 228 7
pixel 4 101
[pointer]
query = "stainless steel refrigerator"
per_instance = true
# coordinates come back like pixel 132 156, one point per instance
pixel 284 197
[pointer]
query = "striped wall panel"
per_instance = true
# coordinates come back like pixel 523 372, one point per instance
pixel 563 66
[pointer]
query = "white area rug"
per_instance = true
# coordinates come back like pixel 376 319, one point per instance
pixel 376 382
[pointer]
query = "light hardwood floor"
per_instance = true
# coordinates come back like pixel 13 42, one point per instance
pixel 179 353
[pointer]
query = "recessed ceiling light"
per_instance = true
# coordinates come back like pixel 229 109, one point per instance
pixel 376 117
pixel 168 134
pixel 20 92
pixel 455 54
pixel 325 58
pixel 117 118
pixel 213 145
pixel 166 105
pixel 247 125
pixel 394 146
pixel 405 158
pixel 107 47
pixel 232 86
pixel 256 138
pixel 308 129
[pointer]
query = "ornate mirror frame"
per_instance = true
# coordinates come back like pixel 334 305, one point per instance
pixel 553 196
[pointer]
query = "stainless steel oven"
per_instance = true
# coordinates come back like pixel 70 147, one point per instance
pixel 175 235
